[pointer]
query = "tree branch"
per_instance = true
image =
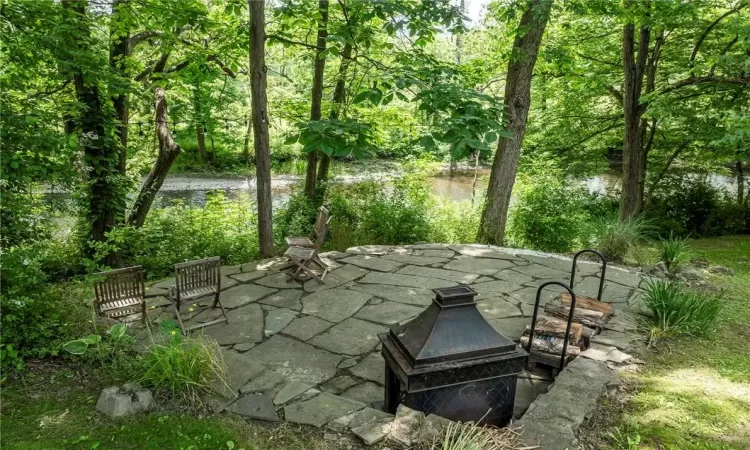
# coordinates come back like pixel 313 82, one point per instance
pixel 710 27
pixel 290 41
pixel 701 80
pixel 615 93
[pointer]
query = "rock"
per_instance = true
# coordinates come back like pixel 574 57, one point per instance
pixel 351 337
pixel 437 253
pixel 441 274
pixel 527 390
pixel 304 328
pixel 416 260
pixel 388 313
pixel 722 270
pixel 244 346
pixel 405 426
pixel 498 308
pixel 290 391
pixel 368 415
pixel 366 392
pixel 347 363
pixel 230 270
pixel 338 385
pixel 321 409
pixel 248 276
pixel 432 429
pixel 278 281
pixel 277 319
pixel 406 280
pixel 269 383
pixel 286 298
pixel 258 407
pixel 373 263
pixel 334 255
pixel 245 326
pixel 701 263
pixel 369 249
pixel 482 251
pixel 373 432
pixel 687 273
pixel 296 360
pixel 336 278
pixel 341 423
pixel 398 294
pixel 334 305
pixel 371 368
pixel 124 401
pixel 658 270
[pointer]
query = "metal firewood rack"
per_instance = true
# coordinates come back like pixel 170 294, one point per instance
pixel 563 356
pixel 601 278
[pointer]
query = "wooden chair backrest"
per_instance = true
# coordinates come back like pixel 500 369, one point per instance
pixel 321 222
pixel 198 274
pixel 320 234
pixel 119 284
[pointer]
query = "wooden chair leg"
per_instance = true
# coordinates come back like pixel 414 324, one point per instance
pixel 307 270
pixel 218 302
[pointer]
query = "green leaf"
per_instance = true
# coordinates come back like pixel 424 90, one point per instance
pixel 76 347
pixel 375 96
pixel 117 331
pixel 362 96
pixel 91 339
pixel 490 136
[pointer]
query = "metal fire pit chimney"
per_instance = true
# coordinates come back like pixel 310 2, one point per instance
pixel 449 361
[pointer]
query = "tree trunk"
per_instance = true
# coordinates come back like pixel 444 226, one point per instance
pixel 200 124
pixel 118 52
pixel 317 94
pixel 517 100
pixel 246 148
pixel 339 96
pixel 168 152
pixel 106 200
pixel 476 177
pixel 740 183
pixel 260 124
pixel 634 153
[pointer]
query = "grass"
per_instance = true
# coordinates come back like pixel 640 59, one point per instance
pixel 674 251
pixel 616 239
pixel 694 393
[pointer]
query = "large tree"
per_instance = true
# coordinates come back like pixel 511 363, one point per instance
pixel 260 124
pixel 517 102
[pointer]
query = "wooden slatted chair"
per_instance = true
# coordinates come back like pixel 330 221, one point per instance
pixel 120 293
pixel 323 218
pixel 196 281
pixel 304 257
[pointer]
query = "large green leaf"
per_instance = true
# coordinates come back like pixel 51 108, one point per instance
pixel 76 347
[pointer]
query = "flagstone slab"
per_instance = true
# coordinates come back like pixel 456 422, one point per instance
pixel 277 319
pixel 366 392
pixel 482 251
pixel 285 298
pixel 304 328
pixel 498 308
pixel 495 287
pixel 398 294
pixel 550 261
pixel 163 284
pixel 278 281
pixel 245 325
pixel 512 276
pixel 437 253
pixel 369 249
pixel 351 337
pixel 388 313
pixel 623 277
pixel 336 278
pixel 153 291
pixel 244 277
pixel 290 391
pixel 240 370
pixel 259 407
pixel 441 274
pixel 482 266
pixel 528 294
pixel 373 263
pixel 539 271
pixel 334 305
pixel 269 383
pixel 267 265
pixel 406 280
pixel 321 409
pixel 230 270
pixel 338 385
pixel 511 328
pixel 296 360
pixel 417 260
pixel 371 368
pixel 334 255
pixel 243 294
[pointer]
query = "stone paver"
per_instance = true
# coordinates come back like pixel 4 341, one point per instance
pixel 495 287
pixel 406 280
pixel 334 305
pixel 398 294
pixel 278 281
pixel 248 276
pixel 417 260
pixel 441 274
pixel 370 368
pixel 350 337
pixel 366 393
pixel 498 308
pixel 245 325
pixel 304 328
pixel 511 328
pixel 321 409
pixel 243 294
pixel 482 251
pixel 482 266
pixel 388 312
pixel 290 391
pixel 296 360
pixel 259 407
pixel 277 319
pixel 286 298
pixel 372 263
pixel 336 278
pixel 338 384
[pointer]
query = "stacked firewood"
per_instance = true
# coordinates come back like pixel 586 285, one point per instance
pixel 549 333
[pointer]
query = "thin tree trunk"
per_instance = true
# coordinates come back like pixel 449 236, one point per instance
pixel 200 124
pixel 339 96
pixel 517 101
pixel 106 201
pixel 118 52
pixel 260 124
pixel 740 183
pixel 665 169
pixel 634 155
pixel 317 94
pixel 476 177
pixel 168 152
pixel 248 133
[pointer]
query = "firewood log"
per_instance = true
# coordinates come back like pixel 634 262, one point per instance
pixel 552 326
pixel 592 304
pixel 553 346
pixel 583 316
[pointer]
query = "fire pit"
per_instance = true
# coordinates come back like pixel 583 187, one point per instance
pixel 449 361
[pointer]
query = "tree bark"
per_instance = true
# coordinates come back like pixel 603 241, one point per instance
pixel 517 101
pixel 119 50
pixel 200 123
pixel 317 94
pixel 248 133
pixel 260 124
pixel 634 155
pixel 339 96
pixel 740 183
pixel 168 152
pixel 106 201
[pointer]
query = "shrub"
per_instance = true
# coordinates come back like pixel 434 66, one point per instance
pixel 673 251
pixel 455 222
pixel 616 238
pixel 183 369
pixel 678 311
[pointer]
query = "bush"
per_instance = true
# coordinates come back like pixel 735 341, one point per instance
pixel 688 205
pixel 455 222
pixel 183 369
pixel 616 239
pixel 678 311
pixel 673 251
pixel 549 214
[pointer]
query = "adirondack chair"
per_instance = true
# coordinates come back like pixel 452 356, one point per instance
pixel 304 257
pixel 196 281
pixel 120 293
pixel 323 218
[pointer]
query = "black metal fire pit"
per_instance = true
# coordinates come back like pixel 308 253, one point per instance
pixel 449 361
